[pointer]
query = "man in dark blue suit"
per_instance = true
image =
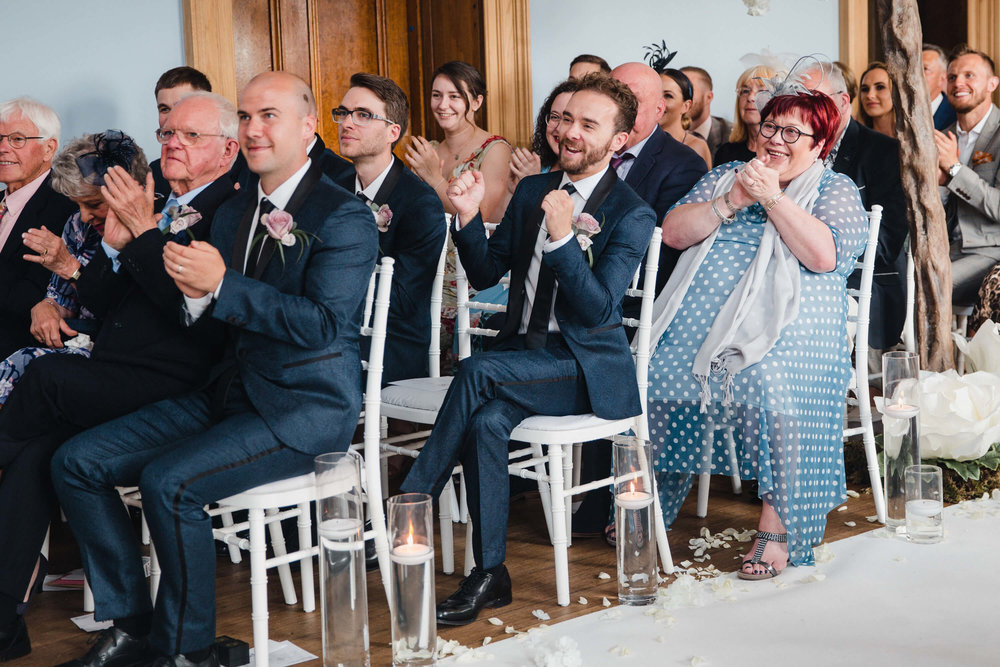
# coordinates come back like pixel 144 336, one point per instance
pixel 371 118
pixel 936 72
pixel 562 349
pixel 287 388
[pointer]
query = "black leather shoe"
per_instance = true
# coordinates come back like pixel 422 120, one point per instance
pixel 115 648
pixel 181 660
pixel 371 557
pixel 14 642
pixel 482 588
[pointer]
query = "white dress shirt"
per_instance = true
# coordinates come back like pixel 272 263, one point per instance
pixel 375 185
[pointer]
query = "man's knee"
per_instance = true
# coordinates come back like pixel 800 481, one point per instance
pixel 494 422
pixel 74 463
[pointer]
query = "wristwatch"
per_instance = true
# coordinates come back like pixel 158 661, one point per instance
pixel 76 275
pixel 954 169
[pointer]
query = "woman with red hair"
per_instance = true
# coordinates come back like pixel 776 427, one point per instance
pixel 749 339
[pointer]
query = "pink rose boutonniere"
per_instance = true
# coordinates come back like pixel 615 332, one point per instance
pixel 280 226
pixel 182 218
pixel 584 227
pixel 383 216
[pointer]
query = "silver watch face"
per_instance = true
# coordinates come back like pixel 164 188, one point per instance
pixel 955 168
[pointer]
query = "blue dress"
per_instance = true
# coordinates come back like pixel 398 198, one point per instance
pixel 786 420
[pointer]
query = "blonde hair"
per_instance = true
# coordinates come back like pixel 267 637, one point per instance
pixel 740 133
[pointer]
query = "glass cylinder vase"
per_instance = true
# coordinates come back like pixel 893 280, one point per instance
pixel 636 541
pixel 343 581
pixel 411 579
pixel 900 432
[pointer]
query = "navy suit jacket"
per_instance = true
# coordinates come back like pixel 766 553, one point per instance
pixel 294 325
pixel 138 305
pixel 23 283
pixel 588 302
pixel 945 114
pixel 871 160
pixel 414 239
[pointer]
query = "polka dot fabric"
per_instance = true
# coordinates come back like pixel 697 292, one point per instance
pixel 786 420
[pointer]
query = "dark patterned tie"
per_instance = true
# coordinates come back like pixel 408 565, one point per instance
pixel 541 307
pixel 255 251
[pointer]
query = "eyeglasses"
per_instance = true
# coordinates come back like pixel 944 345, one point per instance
pixel 789 134
pixel 360 117
pixel 553 118
pixel 184 137
pixel 16 140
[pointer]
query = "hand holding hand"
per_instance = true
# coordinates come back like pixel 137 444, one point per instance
pixel 116 234
pixel 947 145
pixel 758 180
pixel 558 207
pixel 52 252
pixel 132 203
pixel 466 193
pixel 47 321
pixel 197 269
pixel 424 161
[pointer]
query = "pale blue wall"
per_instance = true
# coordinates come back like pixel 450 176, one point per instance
pixel 94 61
pixel 713 34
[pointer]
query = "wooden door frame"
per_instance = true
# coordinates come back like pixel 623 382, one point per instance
pixel 506 40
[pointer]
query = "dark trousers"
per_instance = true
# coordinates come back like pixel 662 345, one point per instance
pixel 492 392
pixel 58 396
pixel 182 456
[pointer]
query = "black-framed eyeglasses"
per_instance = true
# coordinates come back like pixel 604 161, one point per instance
pixel 789 134
pixel 185 137
pixel 16 139
pixel 360 117
pixel 553 118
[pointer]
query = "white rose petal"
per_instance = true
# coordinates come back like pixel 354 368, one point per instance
pixel 494 620
pixel 510 630
pixel 850 524
pixel 685 564
pixel 605 602
pixel 487 640
pixel 582 600
pixel 853 494
pixel 872 519
pixel 842 508
pixel 540 615
pixel 698 660
pixel 603 575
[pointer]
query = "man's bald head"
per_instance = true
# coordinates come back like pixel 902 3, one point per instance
pixel 644 83
pixel 293 84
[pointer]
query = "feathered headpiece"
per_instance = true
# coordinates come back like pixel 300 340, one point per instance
pixel 794 82
pixel 111 148
pixel 658 56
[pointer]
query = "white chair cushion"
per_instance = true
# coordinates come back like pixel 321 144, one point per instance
pixel 417 393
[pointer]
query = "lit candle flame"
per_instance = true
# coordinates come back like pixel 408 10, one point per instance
pixel 631 486
pixel 409 538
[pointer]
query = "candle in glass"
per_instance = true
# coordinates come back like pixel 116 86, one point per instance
pixel 900 432
pixel 636 542
pixel 411 579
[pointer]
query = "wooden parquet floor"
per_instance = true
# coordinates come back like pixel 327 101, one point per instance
pixel 56 639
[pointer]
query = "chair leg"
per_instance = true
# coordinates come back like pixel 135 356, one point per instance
pixel 258 586
pixel 154 572
pixel 278 545
pixel 470 558
pixel 304 524
pixel 666 559
pixel 88 596
pixel 704 482
pixel 461 502
pixel 559 543
pixel 734 464
pixel 872 458
pixel 234 551
pixel 577 463
pixel 543 488
pixel 567 463
pixel 445 506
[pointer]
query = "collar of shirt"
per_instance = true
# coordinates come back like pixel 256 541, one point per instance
pixel 17 200
pixel 936 102
pixel 967 140
pixel 584 186
pixel 309 148
pixel 635 150
pixel 179 200
pixel 374 186
pixel 281 194
pixel 704 129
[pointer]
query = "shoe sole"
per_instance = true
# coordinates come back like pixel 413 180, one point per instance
pixel 502 602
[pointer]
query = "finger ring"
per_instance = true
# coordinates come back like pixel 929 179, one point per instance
pixel 45 252
pixel 179 268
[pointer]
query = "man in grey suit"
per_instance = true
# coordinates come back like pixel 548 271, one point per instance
pixel 967 159
pixel 713 129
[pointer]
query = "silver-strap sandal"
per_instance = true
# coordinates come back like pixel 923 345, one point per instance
pixel 762 539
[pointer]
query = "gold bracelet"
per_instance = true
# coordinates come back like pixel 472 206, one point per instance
pixel 732 209
pixel 715 209
pixel 773 201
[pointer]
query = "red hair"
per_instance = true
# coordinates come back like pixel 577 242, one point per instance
pixel 816 109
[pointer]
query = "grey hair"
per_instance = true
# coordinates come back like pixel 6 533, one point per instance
pixel 44 118
pixel 66 177
pixel 829 71
pixel 229 123
pixel 941 56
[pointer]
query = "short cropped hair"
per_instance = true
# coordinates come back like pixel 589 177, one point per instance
pixel 539 142
pixel 703 73
pixel 469 80
pixel 942 56
pixel 229 123
pixel 966 50
pixel 850 81
pixel 592 59
pixel 67 179
pixel 179 76
pixel 815 108
pixel 619 93
pixel 397 107
pixel 43 117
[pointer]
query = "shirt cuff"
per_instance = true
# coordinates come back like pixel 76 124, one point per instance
pixel 194 308
pixel 555 245
pixel 112 255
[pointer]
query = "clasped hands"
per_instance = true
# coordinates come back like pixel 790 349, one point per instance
pixel 755 182
pixel 130 207
pixel 947 146
pixel 197 269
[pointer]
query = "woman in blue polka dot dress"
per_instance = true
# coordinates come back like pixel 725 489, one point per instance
pixel 752 349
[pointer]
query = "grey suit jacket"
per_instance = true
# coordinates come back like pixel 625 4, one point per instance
pixel 974 203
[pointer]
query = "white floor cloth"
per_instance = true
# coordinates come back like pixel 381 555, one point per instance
pixel 870 600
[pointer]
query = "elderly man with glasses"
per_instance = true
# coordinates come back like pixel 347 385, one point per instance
pixel 29 138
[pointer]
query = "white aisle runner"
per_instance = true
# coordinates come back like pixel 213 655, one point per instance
pixel 870 600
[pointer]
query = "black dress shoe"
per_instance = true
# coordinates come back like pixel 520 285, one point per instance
pixel 115 648
pixel 482 588
pixel 14 642
pixel 181 660
pixel 371 557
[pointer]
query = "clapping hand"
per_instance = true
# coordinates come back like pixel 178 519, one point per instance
pixel 424 161
pixel 466 193
pixel 197 269
pixel 522 163
pixel 558 207
pixel 132 203
pixel 947 146
pixel 759 180
pixel 52 252
pixel 116 234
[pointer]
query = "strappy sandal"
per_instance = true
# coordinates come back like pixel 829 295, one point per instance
pixel 610 534
pixel 762 539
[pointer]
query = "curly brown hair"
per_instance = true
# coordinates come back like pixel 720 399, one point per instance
pixel 619 93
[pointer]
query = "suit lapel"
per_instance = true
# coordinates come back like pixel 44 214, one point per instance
pixel 237 260
pixel 846 150
pixel 601 192
pixel 390 182
pixel 305 186
pixel 644 160
pixel 985 137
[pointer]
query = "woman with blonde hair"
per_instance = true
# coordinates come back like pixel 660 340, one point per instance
pixel 742 144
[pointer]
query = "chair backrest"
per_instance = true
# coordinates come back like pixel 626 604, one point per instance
pixel 864 296
pixel 437 290
pixel 374 326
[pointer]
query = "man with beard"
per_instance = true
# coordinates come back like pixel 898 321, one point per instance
pixel 562 349
pixel 713 129
pixel 968 168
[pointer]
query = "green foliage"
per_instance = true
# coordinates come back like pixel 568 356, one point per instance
pixel 970 470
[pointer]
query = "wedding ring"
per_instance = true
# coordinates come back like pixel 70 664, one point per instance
pixel 180 268
pixel 45 252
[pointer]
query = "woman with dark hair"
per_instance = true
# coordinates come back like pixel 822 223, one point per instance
pixel 457 93
pixel 876 110
pixel 544 153
pixel 678 93
pixel 749 344
pixel 742 143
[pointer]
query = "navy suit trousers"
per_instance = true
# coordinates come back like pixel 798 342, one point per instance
pixel 181 458
pixel 491 394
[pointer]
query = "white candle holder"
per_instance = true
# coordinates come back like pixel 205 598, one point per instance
pixel 343 581
pixel 636 541
pixel 900 432
pixel 411 579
